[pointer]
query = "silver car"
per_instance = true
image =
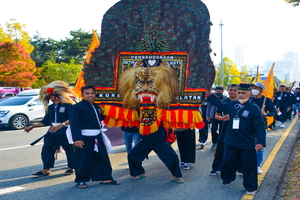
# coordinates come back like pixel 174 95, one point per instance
pixel 19 111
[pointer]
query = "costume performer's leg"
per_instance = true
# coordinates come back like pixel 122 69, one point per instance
pixel 169 157
pixel 186 145
pixel 136 156
pixel 203 133
pixel 218 159
pixel 231 161
pixel 69 150
pixel 50 142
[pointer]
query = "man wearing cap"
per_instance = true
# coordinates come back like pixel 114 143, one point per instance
pixel 267 109
pixel 284 102
pixel 245 134
pixel 297 101
pixel 216 125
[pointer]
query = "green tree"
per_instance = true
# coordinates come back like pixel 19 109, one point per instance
pixel 52 71
pixel 16 67
pixel 293 2
pixel 44 49
pixel 75 47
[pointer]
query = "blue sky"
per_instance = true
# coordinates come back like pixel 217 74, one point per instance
pixel 267 29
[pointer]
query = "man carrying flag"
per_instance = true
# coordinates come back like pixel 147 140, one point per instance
pixel 267 109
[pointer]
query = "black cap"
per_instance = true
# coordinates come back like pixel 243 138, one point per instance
pixel 244 86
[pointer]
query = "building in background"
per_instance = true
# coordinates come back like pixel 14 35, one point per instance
pixel 286 69
pixel 239 56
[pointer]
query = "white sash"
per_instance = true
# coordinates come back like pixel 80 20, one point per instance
pixel 91 132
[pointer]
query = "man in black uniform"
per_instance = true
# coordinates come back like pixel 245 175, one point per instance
pixel 284 102
pixel 57 116
pixel 245 135
pixel 267 108
pixel 222 116
pixel 91 158
pixel 216 125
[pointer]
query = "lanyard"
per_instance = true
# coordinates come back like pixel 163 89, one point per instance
pixel 97 117
pixel 238 107
pixel 55 113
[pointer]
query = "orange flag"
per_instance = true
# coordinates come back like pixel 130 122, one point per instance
pixel 80 81
pixel 269 89
pixel 269 84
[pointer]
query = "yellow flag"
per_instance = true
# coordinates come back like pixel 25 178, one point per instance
pixel 269 84
pixel 269 90
pixel 80 81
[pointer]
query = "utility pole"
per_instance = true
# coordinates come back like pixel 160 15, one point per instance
pixel 222 64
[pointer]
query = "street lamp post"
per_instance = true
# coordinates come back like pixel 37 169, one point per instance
pixel 222 65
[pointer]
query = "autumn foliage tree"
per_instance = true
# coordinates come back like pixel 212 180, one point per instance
pixel 16 67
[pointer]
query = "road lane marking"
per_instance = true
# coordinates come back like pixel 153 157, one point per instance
pixel 19 147
pixel 11 189
pixel 268 162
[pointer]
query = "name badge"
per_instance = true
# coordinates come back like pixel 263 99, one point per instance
pixel 236 123
pixel 279 98
pixel 298 98
pixel 62 109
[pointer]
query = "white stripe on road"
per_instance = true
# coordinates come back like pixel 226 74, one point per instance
pixel 11 189
pixel 19 147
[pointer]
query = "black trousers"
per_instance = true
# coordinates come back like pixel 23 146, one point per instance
pixel 203 133
pixel 216 127
pixel 156 142
pixel 186 141
pixel 282 117
pixel 52 142
pixel 92 165
pixel 248 158
pixel 218 158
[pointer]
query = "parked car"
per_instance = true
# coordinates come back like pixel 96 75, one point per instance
pixel 33 92
pixel 9 91
pixel 19 111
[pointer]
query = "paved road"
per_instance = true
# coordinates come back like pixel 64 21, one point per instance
pixel 19 160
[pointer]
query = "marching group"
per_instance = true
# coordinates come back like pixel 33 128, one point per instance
pixel 238 123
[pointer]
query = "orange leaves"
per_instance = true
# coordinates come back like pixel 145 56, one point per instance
pixel 16 66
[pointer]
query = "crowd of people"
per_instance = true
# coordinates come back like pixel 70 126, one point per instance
pixel 239 125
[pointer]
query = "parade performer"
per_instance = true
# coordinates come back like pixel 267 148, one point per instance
pixel 57 116
pixel 91 158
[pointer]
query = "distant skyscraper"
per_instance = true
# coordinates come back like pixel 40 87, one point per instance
pixel 239 56
pixel 285 69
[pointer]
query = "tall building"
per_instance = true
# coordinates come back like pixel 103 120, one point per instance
pixel 285 69
pixel 239 56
